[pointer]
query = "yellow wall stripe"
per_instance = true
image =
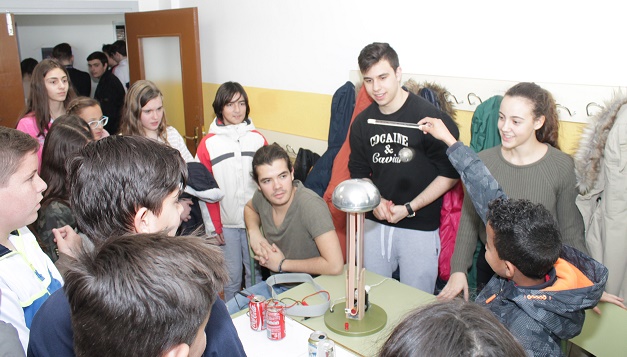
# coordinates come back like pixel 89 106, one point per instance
pixel 290 112
pixel 308 115
pixel 463 118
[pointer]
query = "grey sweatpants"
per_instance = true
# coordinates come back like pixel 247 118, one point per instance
pixel 416 252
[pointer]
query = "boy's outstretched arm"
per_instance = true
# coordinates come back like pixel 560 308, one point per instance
pixel 481 186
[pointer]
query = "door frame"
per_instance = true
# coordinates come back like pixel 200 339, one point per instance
pixel 181 23
pixel 11 95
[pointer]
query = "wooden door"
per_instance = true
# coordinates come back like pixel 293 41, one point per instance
pixel 181 24
pixel 11 90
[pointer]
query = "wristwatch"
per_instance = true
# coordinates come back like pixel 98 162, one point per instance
pixel 410 212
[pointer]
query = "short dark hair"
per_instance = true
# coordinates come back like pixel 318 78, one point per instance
pixel 28 65
pixel 225 93
pixel 525 234
pixel 62 52
pixel 14 145
pixel 68 134
pixel 266 155
pixel 119 46
pixel 453 328
pixel 150 289
pixel 108 49
pixel 375 52
pixel 98 56
pixel 112 178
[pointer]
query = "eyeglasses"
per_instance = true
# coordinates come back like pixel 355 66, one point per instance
pixel 96 123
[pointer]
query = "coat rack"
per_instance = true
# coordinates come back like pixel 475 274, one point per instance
pixel 577 102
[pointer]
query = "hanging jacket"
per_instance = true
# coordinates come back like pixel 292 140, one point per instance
pixel 434 93
pixel 450 214
pixel 484 126
pixel 453 199
pixel 305 161
pixel 340 173
pixel 601 171
pixel 201 188
pixel 342 106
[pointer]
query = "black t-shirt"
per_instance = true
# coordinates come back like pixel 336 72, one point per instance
pixel 374 155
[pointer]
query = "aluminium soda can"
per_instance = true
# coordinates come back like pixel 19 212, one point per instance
pixel 257 312
pixel 275 320
pixel 320 345
pixel 314 341
pixel 326 348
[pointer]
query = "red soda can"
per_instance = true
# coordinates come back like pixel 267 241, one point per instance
pixel 257 312
pixel 275 320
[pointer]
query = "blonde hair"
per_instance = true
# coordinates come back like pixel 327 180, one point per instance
pixel 140 93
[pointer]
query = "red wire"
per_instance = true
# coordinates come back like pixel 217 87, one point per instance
pixel 316 293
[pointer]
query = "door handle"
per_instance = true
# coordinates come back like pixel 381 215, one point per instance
pixel 195 138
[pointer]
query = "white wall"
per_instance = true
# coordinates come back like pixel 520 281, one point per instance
pixel 311 45
pixel 64 7
pixel 152 5
pixel 85 33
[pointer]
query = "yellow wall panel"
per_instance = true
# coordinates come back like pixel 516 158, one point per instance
pixel 569 136
pixel 569 133
pixel 308 115
pixel 463 118
pixel 290 112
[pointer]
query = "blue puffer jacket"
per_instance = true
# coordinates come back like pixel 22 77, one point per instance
pixel 342 106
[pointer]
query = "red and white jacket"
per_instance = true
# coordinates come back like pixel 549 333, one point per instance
pixel 227 151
